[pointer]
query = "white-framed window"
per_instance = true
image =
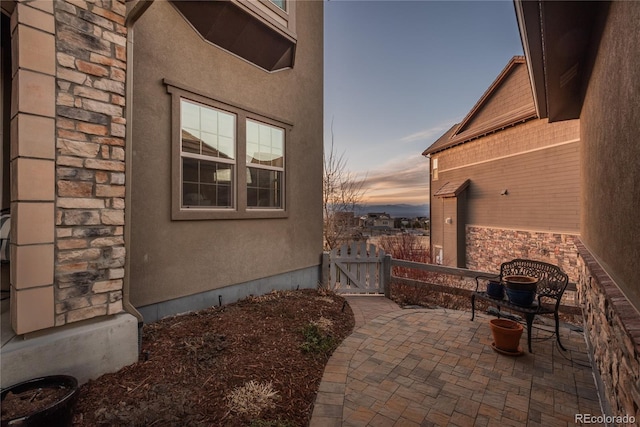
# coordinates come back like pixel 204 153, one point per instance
pixel 434 169
pixel 227 162
pixel 265 165
pixel 208 155
pixel 439 254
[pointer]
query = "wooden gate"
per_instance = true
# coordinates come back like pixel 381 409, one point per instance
pixel 357 269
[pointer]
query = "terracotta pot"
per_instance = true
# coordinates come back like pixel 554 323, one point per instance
pixel 506 334
pixel 56 414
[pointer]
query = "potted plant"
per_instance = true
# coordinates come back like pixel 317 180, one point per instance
pixel 506 336
pixel 521 290
pixel 46 401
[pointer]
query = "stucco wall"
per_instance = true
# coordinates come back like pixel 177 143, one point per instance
pixel 610 125
pixel 609 288
pixel 173 259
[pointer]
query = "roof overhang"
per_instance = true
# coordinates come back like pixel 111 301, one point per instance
pixel 560 41
pixel 452 189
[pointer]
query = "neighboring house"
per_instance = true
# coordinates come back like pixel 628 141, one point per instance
pixel 345 220
pixel 377 221
pixel 156 175
pixel 505 183
pixel 584 63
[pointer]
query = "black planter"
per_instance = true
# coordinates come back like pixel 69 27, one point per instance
pixel 495 290
pixel 523 298
pixel 57 414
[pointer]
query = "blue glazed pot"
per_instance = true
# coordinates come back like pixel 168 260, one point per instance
pixel 520 297
pixel 495 290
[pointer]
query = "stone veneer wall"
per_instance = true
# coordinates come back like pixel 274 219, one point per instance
pixel 90 158
pixel 488 247
pixel 612 328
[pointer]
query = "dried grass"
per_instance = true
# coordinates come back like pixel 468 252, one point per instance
pixel 252 398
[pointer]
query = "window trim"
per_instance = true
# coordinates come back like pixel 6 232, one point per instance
pixel 283 21
pixel 240 211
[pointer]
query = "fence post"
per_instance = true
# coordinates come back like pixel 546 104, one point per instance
pixel 324 270
pixel 386 275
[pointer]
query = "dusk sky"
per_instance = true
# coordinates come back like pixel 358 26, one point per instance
pixel 398 74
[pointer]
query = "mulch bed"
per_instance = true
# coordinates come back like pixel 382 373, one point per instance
pixel 15 405
pixel 190 365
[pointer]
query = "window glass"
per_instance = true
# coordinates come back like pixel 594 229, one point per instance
pixel 265 158
pixel 268 149
pixel 264 188
pixel 208 153
pixel 207 173
pixel 207 131
pixel 282 4
pixel 206 183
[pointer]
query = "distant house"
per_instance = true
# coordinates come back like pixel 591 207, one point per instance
pixel 345 220
pixel 584 63
pixel 505 183
pixel 156 175
pixel 377 221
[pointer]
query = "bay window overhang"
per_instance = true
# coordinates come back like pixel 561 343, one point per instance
pixel 242 30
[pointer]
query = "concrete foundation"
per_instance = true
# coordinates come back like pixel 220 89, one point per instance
pixel 298 279
pixel 84 350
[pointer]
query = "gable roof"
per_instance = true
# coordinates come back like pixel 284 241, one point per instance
pixel 507 102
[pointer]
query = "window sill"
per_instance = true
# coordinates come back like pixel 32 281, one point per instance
pixel 196 214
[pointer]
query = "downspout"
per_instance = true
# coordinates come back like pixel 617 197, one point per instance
pixel 135 9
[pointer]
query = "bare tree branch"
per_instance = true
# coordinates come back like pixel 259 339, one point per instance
pixel 342 193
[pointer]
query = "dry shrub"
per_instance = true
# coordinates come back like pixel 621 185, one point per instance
pixel 252 398
pixel 323 323
pixel 409 247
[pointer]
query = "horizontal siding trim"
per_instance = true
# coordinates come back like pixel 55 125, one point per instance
pixel 558 144
pixel 529 230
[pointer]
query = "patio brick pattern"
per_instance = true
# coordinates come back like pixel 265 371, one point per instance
pixel 424 367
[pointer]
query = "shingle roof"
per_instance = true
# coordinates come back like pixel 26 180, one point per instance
pixel 452 188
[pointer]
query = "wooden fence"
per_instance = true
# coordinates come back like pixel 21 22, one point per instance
pixel 387 278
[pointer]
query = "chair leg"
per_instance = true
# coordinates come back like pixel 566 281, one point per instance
pixel 473 307
pixel 530 318
pixel 555 314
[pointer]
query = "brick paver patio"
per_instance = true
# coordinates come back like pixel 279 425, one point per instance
pixel 423 367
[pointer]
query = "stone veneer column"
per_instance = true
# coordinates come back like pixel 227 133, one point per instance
pixel 90 164
pixel 32 166
pixel 67 161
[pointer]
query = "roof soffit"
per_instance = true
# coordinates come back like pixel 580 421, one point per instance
pixel 560 40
